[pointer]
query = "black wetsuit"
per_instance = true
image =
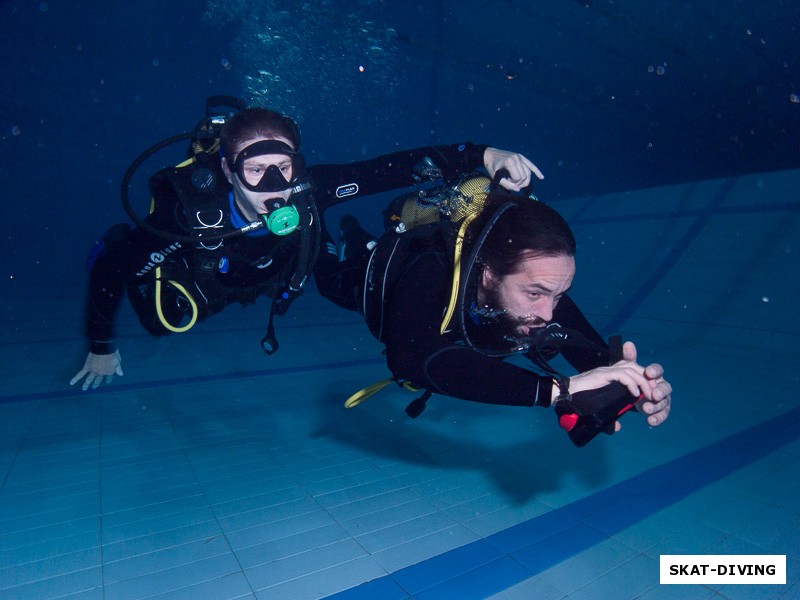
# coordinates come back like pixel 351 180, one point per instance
pixel 418 353
pixel 254 264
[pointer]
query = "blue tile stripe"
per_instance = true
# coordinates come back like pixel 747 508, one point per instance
pixel 196 334
pixel 675 254
pixel 508 557
pixel 121 388
pixel 775 207
pixel 584 208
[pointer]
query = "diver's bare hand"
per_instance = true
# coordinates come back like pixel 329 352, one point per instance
pixel 97 368
pixel 656 405
pixel 519 168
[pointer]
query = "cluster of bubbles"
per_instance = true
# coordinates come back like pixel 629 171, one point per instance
pixel 315 56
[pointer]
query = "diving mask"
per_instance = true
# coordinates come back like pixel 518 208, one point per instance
pixel 260 178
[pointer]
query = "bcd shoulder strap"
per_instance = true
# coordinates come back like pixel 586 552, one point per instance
pixel 415 222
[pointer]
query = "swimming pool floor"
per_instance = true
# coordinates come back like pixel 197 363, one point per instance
pixel 210 470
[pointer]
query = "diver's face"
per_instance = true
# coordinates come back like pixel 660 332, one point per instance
pixel 530 294
pixel 251 203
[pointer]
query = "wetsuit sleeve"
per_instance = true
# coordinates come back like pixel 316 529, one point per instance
pixel 337 183
pixel 570 316
pixel 418 353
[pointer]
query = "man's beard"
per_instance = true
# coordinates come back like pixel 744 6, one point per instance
pixel 506 325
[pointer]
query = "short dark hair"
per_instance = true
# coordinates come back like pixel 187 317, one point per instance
pixel 529 228
pixel 257 122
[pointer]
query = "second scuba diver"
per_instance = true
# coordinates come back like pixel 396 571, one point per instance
pixel 464 277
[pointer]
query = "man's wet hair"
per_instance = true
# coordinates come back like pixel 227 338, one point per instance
pixel 257 122
pixel 528 229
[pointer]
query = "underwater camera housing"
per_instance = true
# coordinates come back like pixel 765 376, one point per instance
pixel 585 414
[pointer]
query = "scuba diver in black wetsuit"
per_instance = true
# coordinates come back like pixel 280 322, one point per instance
pixel 455 294
pixel 230 229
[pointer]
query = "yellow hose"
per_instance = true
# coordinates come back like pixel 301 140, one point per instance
pixel 186 295
pixel 456 272
pixel 174 284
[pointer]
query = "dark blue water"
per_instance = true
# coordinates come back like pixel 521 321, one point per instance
pixel 602 95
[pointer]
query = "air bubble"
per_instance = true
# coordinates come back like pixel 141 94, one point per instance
pixel 287 57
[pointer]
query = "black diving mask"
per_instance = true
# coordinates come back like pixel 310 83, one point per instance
pixel 256 178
